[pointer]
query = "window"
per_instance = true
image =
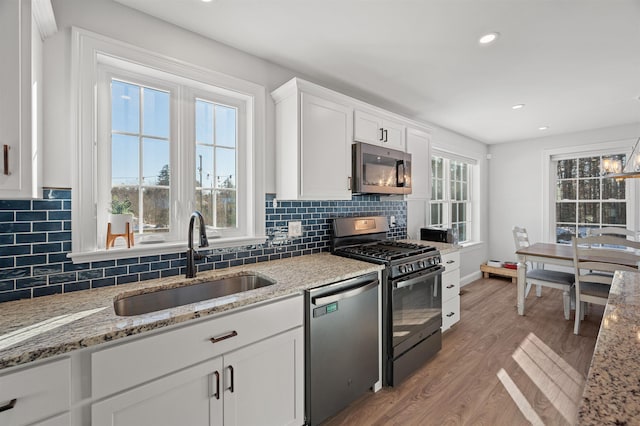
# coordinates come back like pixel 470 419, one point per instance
pixel 169 137
pixel 584 199
pixel 451 195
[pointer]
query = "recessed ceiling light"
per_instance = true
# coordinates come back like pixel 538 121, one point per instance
pixel 543 127
pixel 488 38
pixel 518 106
pixel 206 1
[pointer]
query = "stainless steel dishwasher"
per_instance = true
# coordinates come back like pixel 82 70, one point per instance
pixel 341 341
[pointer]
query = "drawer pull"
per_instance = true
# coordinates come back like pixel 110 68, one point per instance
pixel 450 314
pixel 449 262
pixel 450 286
pixel 231 371
pixel 224 337
pixel 10 404
pixel 6 165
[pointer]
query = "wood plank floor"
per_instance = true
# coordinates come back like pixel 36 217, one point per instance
pixel 495 367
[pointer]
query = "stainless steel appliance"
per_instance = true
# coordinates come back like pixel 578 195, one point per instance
pixel 442 235
pixel 379 170
pixel 341 340
pixel 411 292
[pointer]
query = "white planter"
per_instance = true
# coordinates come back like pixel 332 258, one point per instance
pixel 119 223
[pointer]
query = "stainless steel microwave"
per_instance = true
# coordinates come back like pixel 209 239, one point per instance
pixel 380 170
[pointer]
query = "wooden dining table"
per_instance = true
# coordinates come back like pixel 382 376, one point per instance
pixel 552 254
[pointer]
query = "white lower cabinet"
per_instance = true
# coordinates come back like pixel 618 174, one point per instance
pixel 450 290
pixel 33 394
pixel 244 368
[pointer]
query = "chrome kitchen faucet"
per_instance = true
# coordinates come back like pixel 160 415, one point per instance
pixel 192 255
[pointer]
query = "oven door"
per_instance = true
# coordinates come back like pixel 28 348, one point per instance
pixel 416 308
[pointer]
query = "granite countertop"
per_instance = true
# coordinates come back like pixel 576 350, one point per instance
pixel 612 391
pixel 46 326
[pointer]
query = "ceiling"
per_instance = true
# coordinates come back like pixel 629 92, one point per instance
pixel 575 64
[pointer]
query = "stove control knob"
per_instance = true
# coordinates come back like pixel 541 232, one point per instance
pixel 422 264
pixel 403 269
pixel 411 267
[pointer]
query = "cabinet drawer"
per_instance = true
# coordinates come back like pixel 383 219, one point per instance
pixel 129 364
pixel 450 312
pixel 450 285
pixel 39 392
pixel 451 261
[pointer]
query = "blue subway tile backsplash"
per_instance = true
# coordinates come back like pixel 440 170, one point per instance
pixel 35 238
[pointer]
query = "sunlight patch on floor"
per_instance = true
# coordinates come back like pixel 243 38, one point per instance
pixel 518 397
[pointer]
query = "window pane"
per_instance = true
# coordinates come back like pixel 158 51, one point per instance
pixel 125 163
pixel 461 228
pixel 589 189
pixel 564 233
pixel 567 169
pixel 204 204
pixel 583 230
pixel 565 212
pixel 613 190
pixel 588 212
pixel 125 107
pixel 226 209
pixel 454 212
pixel 436 214
pixel 156 113
pixel 155 162
pixel 462 212
pixel 225 168
pixel 225 126
pixel 589 167
pixel 204 166
pixel 614 213
pixel 156 210
pixel 566 190
pixel 204 122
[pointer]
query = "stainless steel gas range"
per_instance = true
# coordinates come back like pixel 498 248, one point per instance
pixel 411 292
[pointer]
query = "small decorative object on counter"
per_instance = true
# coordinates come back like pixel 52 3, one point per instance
pixel 120 222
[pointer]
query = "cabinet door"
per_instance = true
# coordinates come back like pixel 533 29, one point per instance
pixel 264 382
pixel 325 151
pixel 450 312
pixel 367 128
pixel 187 397
pixel 418 146
pixel 20 102
pixel 393 135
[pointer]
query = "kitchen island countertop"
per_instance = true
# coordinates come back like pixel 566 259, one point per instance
pixel 612 392
pixel 43 327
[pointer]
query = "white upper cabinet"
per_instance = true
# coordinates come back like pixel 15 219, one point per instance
pixel 419 146
pixel 23 26
pixel 377 130
pixel 313 143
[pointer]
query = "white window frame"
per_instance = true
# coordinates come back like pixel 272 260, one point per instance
pixel 473 231
pixel 93 53
pixel 549 157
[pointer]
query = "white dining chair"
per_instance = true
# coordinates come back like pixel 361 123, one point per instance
pixel 541 277
pixel 595 260
pixel 615 232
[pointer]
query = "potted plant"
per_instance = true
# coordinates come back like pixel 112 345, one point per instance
pixel 120 222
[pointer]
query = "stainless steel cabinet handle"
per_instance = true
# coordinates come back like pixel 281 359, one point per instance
pixel 5 150
pixel 10 404
pixel 217 394
pixel 224 337
pixel 349 188
pixel 450 314
pixel 381 134
pixel 449 262
pixel 386 133
pixel 231 371
pixel 450 286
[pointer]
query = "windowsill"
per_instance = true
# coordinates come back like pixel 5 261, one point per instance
pixel 159 248
pixel 470 245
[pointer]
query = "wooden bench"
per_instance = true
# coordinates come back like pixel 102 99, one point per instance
pixel 503 272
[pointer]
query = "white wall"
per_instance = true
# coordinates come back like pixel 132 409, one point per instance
pixel 471 257
pixel 516 183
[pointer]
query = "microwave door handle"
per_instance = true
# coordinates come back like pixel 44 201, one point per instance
pixel 400 174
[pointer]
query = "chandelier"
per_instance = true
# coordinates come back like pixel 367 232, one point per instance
pixel 612 167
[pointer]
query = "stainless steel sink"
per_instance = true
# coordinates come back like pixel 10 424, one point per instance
pixel 165 298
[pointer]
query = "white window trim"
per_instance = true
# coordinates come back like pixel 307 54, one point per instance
pixel 87 49
pixel 475 191
pixel 548 181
